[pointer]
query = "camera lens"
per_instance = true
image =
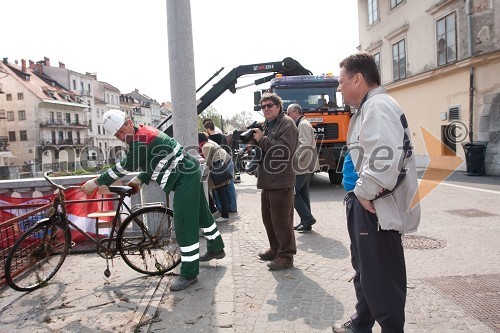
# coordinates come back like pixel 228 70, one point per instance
pixel 246 136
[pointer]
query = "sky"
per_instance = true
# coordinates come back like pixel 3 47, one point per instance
pixel 125 42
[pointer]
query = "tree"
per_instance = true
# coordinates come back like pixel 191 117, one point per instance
pixel 209 112
pixel 241 120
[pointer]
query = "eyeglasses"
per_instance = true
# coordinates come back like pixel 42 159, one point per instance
pixel 268 105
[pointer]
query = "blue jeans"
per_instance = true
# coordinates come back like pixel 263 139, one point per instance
pixel 302 202
pixel 230 193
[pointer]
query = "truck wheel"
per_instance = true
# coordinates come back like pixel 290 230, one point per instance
pixel 335 177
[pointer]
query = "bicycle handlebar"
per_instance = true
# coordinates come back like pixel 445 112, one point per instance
pixel 62 188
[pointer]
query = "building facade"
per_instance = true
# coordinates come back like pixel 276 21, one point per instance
pixel 51 118
pixel 438 59
pixel 43 122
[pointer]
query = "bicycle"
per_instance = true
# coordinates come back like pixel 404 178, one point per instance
pixel 144 240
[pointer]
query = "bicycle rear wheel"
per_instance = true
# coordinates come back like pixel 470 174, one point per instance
pixel 37 256
pixel 147 242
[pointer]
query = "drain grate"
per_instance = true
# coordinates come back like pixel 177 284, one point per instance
pixel 478 295
pixel 422 243
pixel 471 212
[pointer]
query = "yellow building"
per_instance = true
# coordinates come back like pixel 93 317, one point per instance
pixel 440 60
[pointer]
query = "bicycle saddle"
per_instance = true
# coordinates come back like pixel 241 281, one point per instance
pixel 120 189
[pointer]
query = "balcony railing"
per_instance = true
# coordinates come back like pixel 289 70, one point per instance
pixel 60 123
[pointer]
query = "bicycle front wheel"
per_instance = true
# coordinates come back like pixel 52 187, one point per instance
pixel 37 256
pixel 147 242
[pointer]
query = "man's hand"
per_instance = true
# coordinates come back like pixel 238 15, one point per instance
pixel 257 134
pixel 90 186
pixel 367 204
pixel 136 184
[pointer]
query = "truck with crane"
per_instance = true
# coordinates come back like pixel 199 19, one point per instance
pixel 316 94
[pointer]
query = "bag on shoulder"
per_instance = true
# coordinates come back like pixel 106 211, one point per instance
pixel 220 172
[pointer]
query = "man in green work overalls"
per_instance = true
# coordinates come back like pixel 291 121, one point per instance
pixel 164 160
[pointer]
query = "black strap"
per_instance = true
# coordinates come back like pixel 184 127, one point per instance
pixel 407 152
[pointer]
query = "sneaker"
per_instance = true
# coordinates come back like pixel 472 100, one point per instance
pixel 344 328
pixel 280 263
pixel 222 219
pixel 212 255
pixel 304 227
pixel 267 255
pixel 182 283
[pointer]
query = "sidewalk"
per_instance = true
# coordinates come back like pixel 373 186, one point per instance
pixel 453 275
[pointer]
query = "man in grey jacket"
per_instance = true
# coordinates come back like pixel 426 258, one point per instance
pixel 381 203
pixel 305 163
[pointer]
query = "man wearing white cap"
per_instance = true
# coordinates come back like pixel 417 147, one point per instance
pixel 164 160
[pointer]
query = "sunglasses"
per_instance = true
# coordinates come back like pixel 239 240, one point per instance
pixel 268 105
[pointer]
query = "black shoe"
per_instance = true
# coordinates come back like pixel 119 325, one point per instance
pixel 182 283
pixel 212 255
pixel 344 328
pixel 304 227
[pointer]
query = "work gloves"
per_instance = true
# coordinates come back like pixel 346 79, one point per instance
pixel 90 186
pixel 136 184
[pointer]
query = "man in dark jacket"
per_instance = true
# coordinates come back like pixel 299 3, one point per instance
pixel 276 178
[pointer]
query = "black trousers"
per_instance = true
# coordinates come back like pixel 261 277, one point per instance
pixel 377 257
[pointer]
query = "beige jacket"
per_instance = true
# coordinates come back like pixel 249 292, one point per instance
pixel 213 152
pixel 305 159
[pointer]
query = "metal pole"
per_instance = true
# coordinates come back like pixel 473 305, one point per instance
pixel 182 76
pixel 471 104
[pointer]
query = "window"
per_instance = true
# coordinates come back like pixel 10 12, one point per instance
pixel 10 115
pixel 68 118
pixel 8 97
pixel 446 40
pixel 398 60
pixel 12 136
pixel 59 118
pixel 372 11
pixel 376 56
pixel 53 136
pixel 74 84
pixel 78 138
pixel 394 3
pixel 51 117
pixel 61 137
pixel 81 87
pixel 98 129
pixel 88 86
pixel 23 135
pixel 20 96
pixel 77 121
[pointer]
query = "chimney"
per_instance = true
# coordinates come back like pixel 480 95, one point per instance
pixel 46 61
pixel 23 65
pixel 5 61
pixel 62 65
pixel 32 64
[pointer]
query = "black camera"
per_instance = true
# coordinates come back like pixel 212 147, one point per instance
pixel 246 136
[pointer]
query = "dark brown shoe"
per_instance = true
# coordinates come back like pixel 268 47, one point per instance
pixel 267 255
pixel 280 263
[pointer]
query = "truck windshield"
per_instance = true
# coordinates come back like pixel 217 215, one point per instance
pixel 310 99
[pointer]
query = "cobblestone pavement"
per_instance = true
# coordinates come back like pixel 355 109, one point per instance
pixel 240 294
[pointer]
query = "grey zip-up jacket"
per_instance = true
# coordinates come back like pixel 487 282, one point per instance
pixel 380 151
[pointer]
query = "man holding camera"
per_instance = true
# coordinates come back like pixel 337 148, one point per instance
pixel 276 179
